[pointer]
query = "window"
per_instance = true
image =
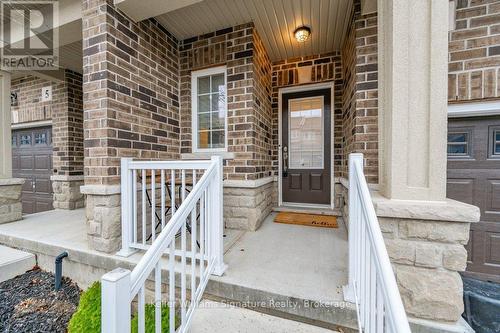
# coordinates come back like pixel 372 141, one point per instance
pixel 14 140
pixel 40 138
pixel 25 140
pixel 458 144
pixel 494 142
pixel 209 103
pixel 306 133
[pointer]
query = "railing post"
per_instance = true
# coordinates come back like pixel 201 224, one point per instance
pixel 353 218
pixel 115 301
pixel 126 207
pixel 216 221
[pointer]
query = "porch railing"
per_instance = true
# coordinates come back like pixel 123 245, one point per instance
pixel 198 212
pixel 372 285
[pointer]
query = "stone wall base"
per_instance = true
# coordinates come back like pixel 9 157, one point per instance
pixel 10 199
pixel 103 215
pixel 425 242
pixel 426 257
pixel 67 193
pixel 246 208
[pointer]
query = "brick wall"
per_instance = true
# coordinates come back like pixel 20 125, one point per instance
pixel 66 112
pixel 67 128
pixel 474 51
pixel 360 99
pixel 130 86
pixel 260 129
pixel 249 112
pixel 310 69
pixel 29 99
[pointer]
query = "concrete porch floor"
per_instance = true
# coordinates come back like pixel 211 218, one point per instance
pixel 278 262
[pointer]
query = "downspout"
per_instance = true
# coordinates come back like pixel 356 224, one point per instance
pixel 58 264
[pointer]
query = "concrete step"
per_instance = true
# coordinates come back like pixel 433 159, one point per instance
pixel 334 316
pixel 14 262
pixel 219 317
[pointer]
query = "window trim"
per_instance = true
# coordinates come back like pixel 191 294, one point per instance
pixel 194 108
pixel 468 143
pixel 452 24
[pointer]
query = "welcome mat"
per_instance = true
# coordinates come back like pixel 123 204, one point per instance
pixel 313 220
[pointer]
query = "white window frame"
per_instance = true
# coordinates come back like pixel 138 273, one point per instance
pixel 194 107
pixel 452 18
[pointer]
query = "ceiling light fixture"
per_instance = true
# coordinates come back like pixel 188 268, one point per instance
pixel 302 34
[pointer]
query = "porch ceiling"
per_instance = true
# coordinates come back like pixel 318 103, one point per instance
pixel 275 21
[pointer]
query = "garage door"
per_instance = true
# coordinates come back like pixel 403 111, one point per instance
pixel 474 177
pixel 32 160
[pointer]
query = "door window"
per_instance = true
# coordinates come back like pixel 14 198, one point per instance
pixel 306 142
pixel 458 144
pixel 494 142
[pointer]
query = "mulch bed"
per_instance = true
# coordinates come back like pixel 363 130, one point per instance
pixel 29 303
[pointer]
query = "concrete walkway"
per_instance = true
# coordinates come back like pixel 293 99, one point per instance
pixel 14 262
pixel 217 317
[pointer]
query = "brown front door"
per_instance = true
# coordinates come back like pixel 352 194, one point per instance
pixel 32 160
pixel 474 178
pixel 306 153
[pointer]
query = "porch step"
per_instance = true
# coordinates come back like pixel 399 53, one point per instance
pixel 336 316
pixel 14 262
pixel 218 317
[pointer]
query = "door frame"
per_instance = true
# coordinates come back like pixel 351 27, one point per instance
pixel 302 88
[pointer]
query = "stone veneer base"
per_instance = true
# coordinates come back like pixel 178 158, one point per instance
pixel 103 215
pixel 10 199
pixel 67 193
pixel 246 207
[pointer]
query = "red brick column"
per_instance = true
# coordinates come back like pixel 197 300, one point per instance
pixel 131 107
pixel 67 141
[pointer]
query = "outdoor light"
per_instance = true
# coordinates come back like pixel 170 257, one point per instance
pixel 302 34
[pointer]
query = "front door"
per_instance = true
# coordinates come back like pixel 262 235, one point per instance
pixel 306 150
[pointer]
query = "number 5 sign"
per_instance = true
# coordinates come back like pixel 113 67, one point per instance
pixel 46 93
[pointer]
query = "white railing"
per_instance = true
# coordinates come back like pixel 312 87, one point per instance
pixel 372 285
pixel 196 210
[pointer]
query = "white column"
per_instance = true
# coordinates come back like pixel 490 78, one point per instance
pixel 5 123
pixel 413 53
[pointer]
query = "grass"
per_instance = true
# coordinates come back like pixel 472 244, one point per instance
pixel 87 318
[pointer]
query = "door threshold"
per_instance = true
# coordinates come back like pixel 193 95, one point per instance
pixel 309 210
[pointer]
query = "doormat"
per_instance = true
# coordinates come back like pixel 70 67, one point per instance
pixel 313 220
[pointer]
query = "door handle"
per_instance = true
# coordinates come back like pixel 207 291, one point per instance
pixel 33 183
pixel 285 161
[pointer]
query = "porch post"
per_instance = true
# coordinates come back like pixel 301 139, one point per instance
pixel 413 65
pixel 424 232
pixel 5 123
pixel 10 188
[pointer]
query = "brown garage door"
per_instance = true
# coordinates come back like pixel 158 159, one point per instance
pixel 32 160
pixel 474 177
